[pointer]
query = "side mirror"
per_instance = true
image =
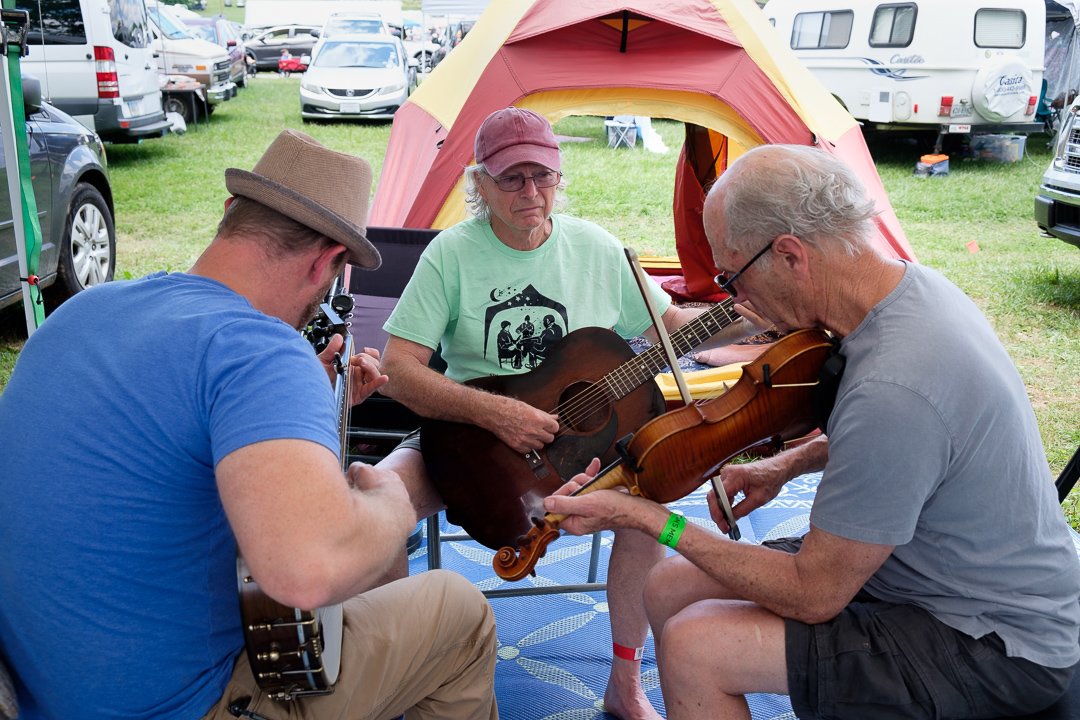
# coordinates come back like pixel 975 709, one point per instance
pixel 315 33
pixel 31 94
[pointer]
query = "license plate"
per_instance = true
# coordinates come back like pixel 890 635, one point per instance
pixel 350 108
pixel 133 108
pixel 959 128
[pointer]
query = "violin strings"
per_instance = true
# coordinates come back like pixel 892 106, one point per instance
pixel 601 392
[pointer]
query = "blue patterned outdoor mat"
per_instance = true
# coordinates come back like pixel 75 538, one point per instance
pixel 554 650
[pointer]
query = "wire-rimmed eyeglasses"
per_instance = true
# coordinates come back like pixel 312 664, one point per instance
pixel 724 282
pixel 513 183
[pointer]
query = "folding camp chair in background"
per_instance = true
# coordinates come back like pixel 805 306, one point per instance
pixel 377 425
pixel 621 131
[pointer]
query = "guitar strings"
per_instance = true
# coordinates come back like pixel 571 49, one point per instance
pixel 602 392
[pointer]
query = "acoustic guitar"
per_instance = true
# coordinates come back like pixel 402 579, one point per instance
pixel 601 392
pixel 292 652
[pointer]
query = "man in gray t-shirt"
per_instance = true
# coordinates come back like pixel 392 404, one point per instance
pixel 938 577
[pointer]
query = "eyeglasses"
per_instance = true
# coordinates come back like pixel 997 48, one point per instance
pixel 724 282
pixel 513 183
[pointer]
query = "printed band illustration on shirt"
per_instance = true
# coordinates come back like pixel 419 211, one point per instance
pixel 525 326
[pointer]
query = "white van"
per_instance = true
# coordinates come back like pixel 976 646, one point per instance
pixel 179 52
pixel 955 66
pixel 95 62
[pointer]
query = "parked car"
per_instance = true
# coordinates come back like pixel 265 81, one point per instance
pixel 353 23
pixel 357 76
pixel 74 203
pixel 96 61
pixel 221 32
pixel 1057 203
pixel 181 53
pixel 266 46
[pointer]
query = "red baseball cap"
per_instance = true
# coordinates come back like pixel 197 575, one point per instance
pixel 513 136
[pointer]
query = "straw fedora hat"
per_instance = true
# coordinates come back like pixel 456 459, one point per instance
pixel 325 190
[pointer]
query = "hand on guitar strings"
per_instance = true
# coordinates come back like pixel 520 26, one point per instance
pixel 520 425
pixel 366 375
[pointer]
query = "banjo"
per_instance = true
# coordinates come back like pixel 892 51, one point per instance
pixel 293 652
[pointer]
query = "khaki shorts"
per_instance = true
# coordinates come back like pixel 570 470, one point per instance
pixel 424 644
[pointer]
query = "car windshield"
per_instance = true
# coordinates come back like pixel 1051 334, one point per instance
pixel 203 32
pixel 342 26
pixel 357 54
pixel 170 26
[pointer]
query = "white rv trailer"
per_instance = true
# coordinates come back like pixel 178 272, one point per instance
pixel 954 66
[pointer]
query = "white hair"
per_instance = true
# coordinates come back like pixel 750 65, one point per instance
pixel 794 189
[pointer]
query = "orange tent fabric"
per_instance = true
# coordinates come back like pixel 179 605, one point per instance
pixel 717 64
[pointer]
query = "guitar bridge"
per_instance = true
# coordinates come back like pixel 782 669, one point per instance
pixel 536 464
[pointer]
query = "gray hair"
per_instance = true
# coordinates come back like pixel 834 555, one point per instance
pixel 794 189
pixel 479 207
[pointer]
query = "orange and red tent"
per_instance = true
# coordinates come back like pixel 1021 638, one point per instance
pixel 714 64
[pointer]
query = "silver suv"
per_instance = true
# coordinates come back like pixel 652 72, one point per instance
pixel 1057 204
pixel 74 202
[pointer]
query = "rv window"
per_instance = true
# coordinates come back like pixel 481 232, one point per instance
pixel 821 30
pixel 63 23
pixel 893 26
pixel 129 22
pixel 996 28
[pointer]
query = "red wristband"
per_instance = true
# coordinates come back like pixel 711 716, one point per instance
pixel 626 653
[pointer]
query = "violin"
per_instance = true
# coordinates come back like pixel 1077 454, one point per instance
pixel 776 398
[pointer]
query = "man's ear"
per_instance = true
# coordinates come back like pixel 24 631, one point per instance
pixel 327 263
pixel 791 251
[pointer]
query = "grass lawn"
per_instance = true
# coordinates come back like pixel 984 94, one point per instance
pixel 169 196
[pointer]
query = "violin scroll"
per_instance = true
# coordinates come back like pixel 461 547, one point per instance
pixel 515 563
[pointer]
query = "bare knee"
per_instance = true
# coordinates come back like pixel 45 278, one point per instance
pixel 669 587
pixel 408 463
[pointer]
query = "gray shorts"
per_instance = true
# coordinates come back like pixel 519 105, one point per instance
pixel 411 441
pixel 883 660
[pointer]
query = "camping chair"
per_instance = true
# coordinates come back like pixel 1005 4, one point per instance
pixel 377 425
pixel 621 131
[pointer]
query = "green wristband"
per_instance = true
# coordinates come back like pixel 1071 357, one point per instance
pixel 672 530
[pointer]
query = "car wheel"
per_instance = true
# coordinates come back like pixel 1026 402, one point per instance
pixel 178 106
pixel 88 248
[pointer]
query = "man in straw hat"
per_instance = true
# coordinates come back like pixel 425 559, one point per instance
pixel 153 428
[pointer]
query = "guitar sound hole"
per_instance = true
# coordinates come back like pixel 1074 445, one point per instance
pixel 584 408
